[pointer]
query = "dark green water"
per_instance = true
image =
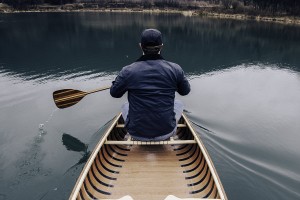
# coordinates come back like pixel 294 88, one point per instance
pixel 245 79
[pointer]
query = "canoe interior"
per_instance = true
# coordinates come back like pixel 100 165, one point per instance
pixel 149 171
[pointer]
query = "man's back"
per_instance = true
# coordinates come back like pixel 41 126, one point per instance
pixel 151 83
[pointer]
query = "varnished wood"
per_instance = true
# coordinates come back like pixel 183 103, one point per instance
pixel 143 171
pixel 153 167
pixel 133 142
pixel 68 97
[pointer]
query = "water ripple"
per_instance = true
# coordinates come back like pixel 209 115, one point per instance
pixel 248 161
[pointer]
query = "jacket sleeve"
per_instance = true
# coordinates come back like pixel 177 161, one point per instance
pixel 183 85
pixel 119 85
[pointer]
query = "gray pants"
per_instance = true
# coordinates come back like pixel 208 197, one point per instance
pixel 178 109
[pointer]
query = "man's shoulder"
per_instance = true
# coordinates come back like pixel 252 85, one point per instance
pixel 137 65
pixel 174 66
pixel 129 68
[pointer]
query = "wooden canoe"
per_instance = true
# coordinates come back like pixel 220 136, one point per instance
pixel 121 168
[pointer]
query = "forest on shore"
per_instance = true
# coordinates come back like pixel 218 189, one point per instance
pixel 248 7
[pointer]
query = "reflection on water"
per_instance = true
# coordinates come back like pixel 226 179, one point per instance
pixel 52 44
pixel 244 100
pixel 74 144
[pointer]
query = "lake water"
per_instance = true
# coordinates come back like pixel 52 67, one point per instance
pixel 245 98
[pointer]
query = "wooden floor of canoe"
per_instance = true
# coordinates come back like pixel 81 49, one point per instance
pixel 153 171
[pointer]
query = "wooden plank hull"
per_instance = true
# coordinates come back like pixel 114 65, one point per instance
pixel 125 169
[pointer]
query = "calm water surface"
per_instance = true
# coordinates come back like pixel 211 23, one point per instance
pixel 245 79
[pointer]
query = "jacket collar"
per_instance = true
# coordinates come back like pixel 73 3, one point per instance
pixel 150 57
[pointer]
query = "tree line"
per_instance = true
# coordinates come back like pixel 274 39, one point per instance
pixel 290 7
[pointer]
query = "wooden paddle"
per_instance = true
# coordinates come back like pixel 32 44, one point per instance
pixel 68 97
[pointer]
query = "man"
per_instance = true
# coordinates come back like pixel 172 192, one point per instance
pixel 151 83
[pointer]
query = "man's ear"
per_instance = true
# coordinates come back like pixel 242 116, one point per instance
pixel 162 45
pixel 141 48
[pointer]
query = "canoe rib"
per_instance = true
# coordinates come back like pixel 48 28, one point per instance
pixel 119 167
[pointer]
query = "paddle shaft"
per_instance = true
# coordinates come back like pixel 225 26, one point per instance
pixel 98 90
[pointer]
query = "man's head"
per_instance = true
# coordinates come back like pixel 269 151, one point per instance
pixel 151 41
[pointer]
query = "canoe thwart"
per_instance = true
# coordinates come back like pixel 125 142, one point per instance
pixel 136 142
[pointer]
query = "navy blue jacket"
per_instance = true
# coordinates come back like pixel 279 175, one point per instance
pixel 151 83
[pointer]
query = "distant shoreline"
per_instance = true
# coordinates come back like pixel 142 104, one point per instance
pixel 206 13
pixel 276 19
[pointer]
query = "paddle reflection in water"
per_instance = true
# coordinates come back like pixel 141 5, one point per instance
pixel 74 144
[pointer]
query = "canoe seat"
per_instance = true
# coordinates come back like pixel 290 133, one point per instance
pixel 130 141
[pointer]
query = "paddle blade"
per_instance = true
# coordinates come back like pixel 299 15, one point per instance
pixel 67 97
